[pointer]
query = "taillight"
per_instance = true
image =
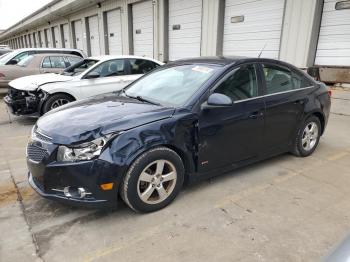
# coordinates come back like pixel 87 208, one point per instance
pixel 2 75
pixel 330 92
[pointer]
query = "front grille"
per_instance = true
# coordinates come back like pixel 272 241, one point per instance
pixel 35 153
pixel 41 136
pixel 39 183
pixel 16 94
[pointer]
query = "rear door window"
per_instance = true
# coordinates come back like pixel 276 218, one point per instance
pixel 54 62
pixel 141 66
pixel 278 79
pixel 109 68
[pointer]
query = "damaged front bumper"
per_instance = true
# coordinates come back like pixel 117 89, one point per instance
pixel 24 102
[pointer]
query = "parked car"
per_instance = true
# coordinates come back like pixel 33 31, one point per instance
pixel 340 253
pixel 36 64
pixel 38 94
pixel 4 51
pixel 17 55
pixel 185 121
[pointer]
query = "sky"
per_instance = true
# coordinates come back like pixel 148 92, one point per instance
pixel 12 11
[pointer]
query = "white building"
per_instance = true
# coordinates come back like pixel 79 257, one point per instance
pixel 305 33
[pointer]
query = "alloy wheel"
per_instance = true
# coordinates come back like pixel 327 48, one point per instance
pixel 157 181
pixel 310 136
pixel 59 102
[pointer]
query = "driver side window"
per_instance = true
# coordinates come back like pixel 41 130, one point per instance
pixel 109 68
pixel 242 84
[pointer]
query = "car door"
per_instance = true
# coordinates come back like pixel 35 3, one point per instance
pixel 53 64
pixel 106 77
pixel 138 67
pixel 230 134
pixel 285 97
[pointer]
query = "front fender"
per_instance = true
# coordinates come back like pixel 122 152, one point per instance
pixel 177 132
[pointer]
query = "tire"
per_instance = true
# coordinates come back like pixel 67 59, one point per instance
pixel 140 192
pixel 55 101
pixel 304 138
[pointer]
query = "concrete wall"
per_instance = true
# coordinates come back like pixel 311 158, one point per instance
pixel 298 42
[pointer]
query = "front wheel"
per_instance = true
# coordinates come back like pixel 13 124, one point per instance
pixel 308 137
pixel 153 180
pixel 56 101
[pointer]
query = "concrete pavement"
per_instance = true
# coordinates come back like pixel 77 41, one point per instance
pixel 282 209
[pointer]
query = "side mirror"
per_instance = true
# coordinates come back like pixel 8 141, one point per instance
pixel 217 100
pixel 12 62
pixel 92 75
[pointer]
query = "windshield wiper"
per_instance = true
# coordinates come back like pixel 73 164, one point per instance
pixel 142 99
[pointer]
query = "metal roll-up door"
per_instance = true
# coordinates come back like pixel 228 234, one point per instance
pixel 251 26
pixel 48 38
pixel 142 22
pixel 66 38
pixel 185 28
pixel 94 36
pixel 114 32
pixel 35 40
pixel 30 41
pixel 333 48
pixel 78 34
pixel 56 33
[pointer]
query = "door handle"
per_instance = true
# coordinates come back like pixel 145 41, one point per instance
pixel 255 115
pixel 300 102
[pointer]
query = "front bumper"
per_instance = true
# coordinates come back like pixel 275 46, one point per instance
pixel 49 177
pixel 21 103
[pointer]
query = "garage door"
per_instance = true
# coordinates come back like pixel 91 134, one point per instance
pixel 30 41
pixel 249 26
pixel 142 14
pixel 185 23
pixel 94 35
pixel 334 39
pixel 78 34
pixel 66 38
pixel 48 38
pixel 114 32
pixel 35 41
pixel 57 37
pixel 41 39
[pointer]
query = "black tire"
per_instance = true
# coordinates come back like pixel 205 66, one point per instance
pixel 299 147
pixel 50 102
pixel 130 187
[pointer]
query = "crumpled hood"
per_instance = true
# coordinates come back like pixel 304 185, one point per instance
pixel 31 83
pixel 88 119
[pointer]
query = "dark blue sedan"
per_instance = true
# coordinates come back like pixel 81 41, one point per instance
pixel 188 120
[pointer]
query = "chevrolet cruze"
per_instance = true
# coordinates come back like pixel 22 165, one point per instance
pixel 185 121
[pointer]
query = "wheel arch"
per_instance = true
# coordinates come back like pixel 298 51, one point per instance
pixel 53 94
pixel 320 116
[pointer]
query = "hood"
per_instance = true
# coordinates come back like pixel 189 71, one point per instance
pixel 91 118
pixel 31 83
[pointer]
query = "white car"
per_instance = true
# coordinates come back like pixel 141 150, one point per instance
pixel 37 94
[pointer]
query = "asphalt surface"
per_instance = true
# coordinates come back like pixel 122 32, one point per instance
pixel 282 209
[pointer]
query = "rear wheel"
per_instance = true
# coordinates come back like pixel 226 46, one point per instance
pixel 56 101
pixel 308 137
pixel 153 180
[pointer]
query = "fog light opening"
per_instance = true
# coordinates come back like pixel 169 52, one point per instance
pixel 80 192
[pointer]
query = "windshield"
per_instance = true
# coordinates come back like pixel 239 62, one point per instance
pixel 79 67
pixel 5 58
pixel 171 86
pixel 24 62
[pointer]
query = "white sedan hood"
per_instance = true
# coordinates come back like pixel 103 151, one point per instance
pixel 31 83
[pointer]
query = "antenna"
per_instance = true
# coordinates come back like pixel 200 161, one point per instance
pixel 262 50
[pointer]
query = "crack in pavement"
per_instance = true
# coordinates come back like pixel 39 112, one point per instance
pixel 19 199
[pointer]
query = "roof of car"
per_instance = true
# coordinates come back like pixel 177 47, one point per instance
pixel 225 60
pixel 109 57
pixel 47 49
pixel 54 54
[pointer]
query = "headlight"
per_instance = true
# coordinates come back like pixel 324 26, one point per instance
pixel 85 151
